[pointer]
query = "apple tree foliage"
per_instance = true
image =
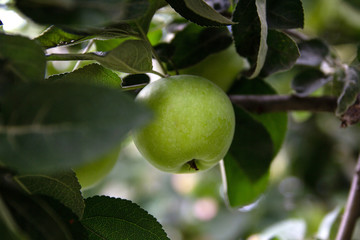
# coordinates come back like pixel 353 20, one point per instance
pixel 51 124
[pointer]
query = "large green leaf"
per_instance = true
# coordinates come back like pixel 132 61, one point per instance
pixel 199 12
pixel 284 14
pixel 257 139
pixel 250 33
pixel 48 127
pixel 82 13
pixel 21 59
pixel 62 186
pixel 114 218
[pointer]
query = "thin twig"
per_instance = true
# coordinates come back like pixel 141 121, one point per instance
pixel 154 53
pixel 352 209
pixel 284 103
pixel 86 49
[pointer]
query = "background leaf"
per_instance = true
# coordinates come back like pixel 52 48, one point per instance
pixel 82 13
pixel 308 81
pixel 48 127
pixel 293 229
pixel 312 52
pixel 111 218
pixel 199 12
pixel 350 90
pixel 62 186
pixel 284 14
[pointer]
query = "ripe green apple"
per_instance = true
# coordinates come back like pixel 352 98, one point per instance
pixel 193 126
pixel 221 68
pixel 91 173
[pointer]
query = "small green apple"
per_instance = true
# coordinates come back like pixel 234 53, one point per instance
pixel 91 173
pixel 221 68
pixel 193 126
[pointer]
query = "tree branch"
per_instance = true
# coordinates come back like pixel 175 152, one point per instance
pixel 284 103
pixel 352 209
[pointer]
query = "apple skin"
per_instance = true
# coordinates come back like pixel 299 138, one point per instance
pixel 221 68
pixel 91 173
pixel 193 126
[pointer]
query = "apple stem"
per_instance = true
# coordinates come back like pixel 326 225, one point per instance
pixel 192 165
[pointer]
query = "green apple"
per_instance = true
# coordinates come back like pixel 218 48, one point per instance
pixel 91 173
pixel 221 68
pixel 193 125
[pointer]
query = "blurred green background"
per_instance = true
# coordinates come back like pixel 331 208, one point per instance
pixel 310 177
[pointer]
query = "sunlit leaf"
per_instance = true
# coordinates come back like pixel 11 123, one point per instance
pixel 132 56
pixel 93 74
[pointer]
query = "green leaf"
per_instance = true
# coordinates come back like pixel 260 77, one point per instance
pixel 62 186
pixel 199 12
pixel 54 37
pixel 308 81
pixel 111 218
pixel 250 33
pixel 312 52
pixel 257 139
pixel 350 90
pixel 82 13
pixel 39 217
pixel 293 229
pixel 132 56
pixel 203 42
pixel 281 55
pixel 284 14
pixel 93 74
pixel 21 59
pixel 275 123
pixel 240 190
pixel 250 136
pixel 49 127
